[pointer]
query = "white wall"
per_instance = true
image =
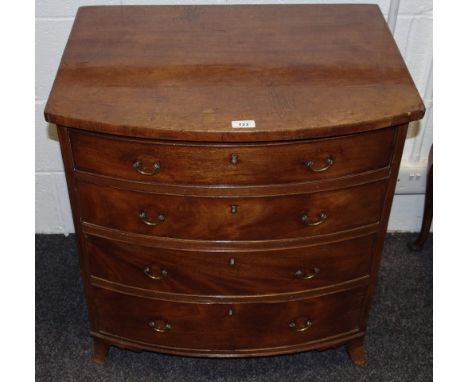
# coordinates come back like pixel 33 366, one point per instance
pixel 411 21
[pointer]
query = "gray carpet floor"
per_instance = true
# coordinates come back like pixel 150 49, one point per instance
pixel 398 342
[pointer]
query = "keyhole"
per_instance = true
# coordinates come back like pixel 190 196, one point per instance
pixel 234 159
pixel 234 209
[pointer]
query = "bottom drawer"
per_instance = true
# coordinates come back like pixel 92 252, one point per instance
pixel 226 327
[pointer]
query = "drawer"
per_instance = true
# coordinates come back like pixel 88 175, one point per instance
pixel 177 163
pixel 218 327
pixel 230 273
pixel 232 218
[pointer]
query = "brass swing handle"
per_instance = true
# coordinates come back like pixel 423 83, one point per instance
pixel 322 216
pixel 307 275
pixel 300 327
pixel 160 326
pixel 137 165
pixel 327 164
pixel 144 218
pixel 149 272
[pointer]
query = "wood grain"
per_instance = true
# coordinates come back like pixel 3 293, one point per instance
pixel 212 326
pixel 257 218
pixel 162 84
pixel 230 273
pixel 185 72
pixel 212 164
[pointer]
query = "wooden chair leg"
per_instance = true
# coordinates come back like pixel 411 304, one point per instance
pixel 356 351
pixel 100 351
pixel 418 244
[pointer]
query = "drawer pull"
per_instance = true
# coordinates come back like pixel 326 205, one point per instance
pixel 149 272
pixel 137 165
pixel 144 218
pixel 160 326
pixel 300 327
pixel 327 164
pixel 234 159
pixel 322 216
pixel 307 275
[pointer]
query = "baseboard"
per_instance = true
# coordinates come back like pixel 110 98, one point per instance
pixel 407 212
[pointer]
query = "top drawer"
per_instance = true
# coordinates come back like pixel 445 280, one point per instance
pixel 225 164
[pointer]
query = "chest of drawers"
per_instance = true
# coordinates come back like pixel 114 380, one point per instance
pixel 199 238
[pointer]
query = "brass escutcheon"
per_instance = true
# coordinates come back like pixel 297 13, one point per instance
pixel 234 159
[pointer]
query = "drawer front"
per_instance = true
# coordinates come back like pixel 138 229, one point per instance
pixel 175 163
pixel 228 273
pixel 232 218
pixel 227 326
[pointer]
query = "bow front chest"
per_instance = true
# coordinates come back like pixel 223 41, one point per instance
pixel 231 171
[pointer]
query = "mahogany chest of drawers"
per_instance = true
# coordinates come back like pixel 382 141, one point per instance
pixel 231 171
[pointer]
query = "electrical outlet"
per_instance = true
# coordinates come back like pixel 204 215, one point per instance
pixel 411 180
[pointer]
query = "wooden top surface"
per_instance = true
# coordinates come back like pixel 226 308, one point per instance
pixel 186 72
